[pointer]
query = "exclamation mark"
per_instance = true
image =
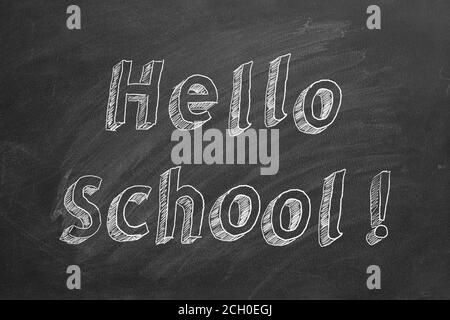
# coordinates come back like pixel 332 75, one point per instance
pixel 379 197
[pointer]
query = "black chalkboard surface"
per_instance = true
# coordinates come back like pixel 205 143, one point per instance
pixel 352 100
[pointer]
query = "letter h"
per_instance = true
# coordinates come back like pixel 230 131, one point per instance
pixel 145 93
pixel 187 198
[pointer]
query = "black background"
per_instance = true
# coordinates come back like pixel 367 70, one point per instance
pixel 394 116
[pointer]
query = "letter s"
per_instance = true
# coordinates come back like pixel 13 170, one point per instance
pixel 75 203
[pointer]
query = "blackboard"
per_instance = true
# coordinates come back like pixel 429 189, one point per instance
pixel 393 117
